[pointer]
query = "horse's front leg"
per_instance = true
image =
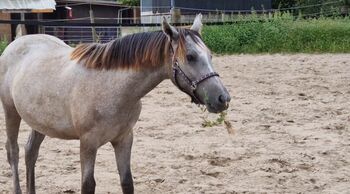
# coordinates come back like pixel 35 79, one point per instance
pixel 88 150
pixel 122 149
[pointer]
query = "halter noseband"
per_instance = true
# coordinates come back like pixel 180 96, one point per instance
pixel 192 84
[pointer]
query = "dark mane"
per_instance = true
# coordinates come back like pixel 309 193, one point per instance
pixel 148 49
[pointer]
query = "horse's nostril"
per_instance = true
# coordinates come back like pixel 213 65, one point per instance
pixel 222 99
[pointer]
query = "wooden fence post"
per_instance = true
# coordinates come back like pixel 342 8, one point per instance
pixel 175 15
pixel 217 15
pixel 93 29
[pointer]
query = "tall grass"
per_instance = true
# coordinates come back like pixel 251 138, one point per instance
pixel 3 45
pixel 280 33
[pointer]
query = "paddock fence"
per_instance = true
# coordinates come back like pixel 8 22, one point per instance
pixel 80 30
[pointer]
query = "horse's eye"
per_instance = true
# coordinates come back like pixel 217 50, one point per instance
pixel 190 58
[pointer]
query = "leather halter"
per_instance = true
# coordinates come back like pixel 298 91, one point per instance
pixel 177 71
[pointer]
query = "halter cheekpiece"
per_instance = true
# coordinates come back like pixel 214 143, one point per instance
pixel 192 84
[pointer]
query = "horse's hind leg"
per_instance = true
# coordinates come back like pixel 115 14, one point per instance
pixel 13 121
pixel 31 155
pixel 122 149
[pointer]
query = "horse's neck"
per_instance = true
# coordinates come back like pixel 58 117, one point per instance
pixel 143 81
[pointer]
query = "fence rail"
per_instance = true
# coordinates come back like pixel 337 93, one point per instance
pixel 79 34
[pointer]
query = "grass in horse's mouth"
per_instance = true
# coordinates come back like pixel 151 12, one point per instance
pixel 221 119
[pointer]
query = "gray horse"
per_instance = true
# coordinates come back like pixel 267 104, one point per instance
pixel 93 92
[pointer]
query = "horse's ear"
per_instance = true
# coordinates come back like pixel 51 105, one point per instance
pixel 197 24
pixel 169 30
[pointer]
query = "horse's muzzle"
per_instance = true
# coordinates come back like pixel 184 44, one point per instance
pixel 220 103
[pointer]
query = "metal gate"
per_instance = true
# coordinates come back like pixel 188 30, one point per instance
pixel 82 34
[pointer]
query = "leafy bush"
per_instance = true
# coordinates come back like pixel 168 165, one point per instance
pixel 280 34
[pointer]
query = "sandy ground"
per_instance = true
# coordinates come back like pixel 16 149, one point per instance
pixel 291 114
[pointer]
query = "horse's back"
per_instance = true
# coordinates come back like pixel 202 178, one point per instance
pixel 32 52
pixel 39 39
pixel 29 46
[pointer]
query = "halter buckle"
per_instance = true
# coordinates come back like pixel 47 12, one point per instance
pixel 193 86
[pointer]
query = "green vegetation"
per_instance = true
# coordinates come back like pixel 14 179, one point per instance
pixel 218 121
pixel 280 33
pixel 309 7
pixel 3 45
pixel 130 2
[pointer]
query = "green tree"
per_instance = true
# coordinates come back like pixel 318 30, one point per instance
pixel 131 2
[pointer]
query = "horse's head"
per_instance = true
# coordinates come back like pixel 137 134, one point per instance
pixel 192 70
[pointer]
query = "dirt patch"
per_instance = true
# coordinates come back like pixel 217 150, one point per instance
pixel 291 116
